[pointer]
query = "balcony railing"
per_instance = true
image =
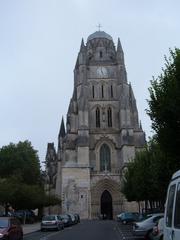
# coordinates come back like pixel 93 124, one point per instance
pixel 112 172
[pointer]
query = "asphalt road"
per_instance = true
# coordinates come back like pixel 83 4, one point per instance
pixel 86 230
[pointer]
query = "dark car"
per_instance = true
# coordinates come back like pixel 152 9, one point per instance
pixel 50 222
pixel 10 228
pixel 128 217
pixel 77 217
pixel 66 220
pixel 73 219
pixel 25 216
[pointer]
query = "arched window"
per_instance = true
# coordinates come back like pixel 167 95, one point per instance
pixel 105 158
pixel 109 113
pixel 102 91
pixel 97 117
pixel 93 91
pixel 111 91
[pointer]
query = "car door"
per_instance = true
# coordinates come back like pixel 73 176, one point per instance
pixel 12 230
pixel 168 233
pixel 15 232
pixel 176 218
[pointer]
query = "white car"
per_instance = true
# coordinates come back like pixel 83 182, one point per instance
pixel 50 222
pixel 143 228
pixel 172 209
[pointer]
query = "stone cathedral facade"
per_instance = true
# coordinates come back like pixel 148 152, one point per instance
pixel 102 134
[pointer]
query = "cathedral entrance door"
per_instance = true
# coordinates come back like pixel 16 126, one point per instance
pixel 106 205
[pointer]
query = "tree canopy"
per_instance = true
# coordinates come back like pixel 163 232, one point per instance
pixel 144 178
pixel 148 175
pixel 20 160
pixel 20 178
pixel 164 108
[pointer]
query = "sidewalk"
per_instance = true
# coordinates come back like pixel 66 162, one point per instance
pixel 29 228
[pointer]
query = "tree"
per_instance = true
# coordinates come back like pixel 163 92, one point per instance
pixel 146 176
pixel 20 160
pixel 20 178
pixel 137 177
pixel 25 196
pixel 149 173
pixel 164 109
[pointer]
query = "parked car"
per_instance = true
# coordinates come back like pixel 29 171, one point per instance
pixel 172 209
pixel 10 228
pixel 143 228
pixel 127 217
pixel 2 214
pixel 26 215
pixel 157 232
pixel 50 222
pixel 77 217
pixel 66 220
pixel 72 218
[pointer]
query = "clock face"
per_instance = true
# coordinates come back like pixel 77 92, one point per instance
pixel 102 72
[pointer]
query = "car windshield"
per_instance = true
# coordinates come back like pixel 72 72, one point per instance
pixel 64 216
pixel 49 218
pixel 128 214
pixel 3 223
pixel 143 217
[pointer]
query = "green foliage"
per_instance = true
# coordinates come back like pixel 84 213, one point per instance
pixel 136 178
pixel 146 176
pixel 20 178
pixel 20 160
pixel 164 108
pixel 24 196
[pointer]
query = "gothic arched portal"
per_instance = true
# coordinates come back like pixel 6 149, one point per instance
pixel 105 158
pixel 106 205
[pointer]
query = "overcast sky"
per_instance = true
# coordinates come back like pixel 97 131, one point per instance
pixel 39 43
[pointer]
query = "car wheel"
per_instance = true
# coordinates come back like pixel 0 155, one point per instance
pixel 59 228
pixel 148 234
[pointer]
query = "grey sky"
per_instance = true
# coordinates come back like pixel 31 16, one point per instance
pixel 39 43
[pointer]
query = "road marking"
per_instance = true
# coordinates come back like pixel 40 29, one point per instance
pixel 49 235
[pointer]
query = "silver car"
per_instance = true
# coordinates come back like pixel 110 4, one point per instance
pixel 51 222
pixel 157 233
pixel 143 228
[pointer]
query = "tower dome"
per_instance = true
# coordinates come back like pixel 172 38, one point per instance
pixel 99 34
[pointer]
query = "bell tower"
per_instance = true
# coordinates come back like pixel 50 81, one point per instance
pixel 102 132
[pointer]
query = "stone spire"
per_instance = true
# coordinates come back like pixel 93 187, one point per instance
pixel 51 162
pixel 120 53
pixel 62 131
pixel 82 45
pixel 81 59
pixel 51 153
pixel 62 134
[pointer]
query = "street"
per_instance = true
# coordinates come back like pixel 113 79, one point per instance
pixel 88 230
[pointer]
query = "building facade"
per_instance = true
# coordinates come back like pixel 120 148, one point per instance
pixel 102 134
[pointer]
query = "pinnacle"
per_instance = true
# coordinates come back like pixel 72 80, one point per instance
pixel 62 129
pixel 82 44
pixel 119 47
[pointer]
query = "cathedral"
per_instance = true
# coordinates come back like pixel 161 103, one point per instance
pixel 101 136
